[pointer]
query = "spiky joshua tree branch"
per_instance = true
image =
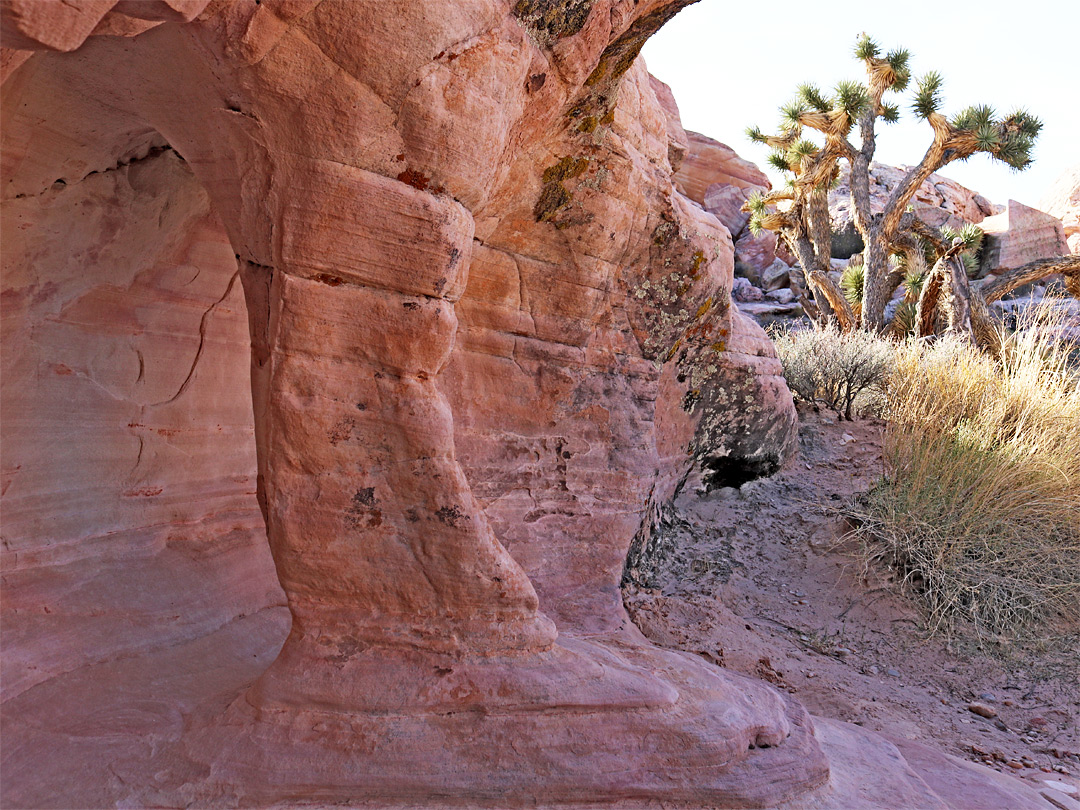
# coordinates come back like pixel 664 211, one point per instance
pixel 815 134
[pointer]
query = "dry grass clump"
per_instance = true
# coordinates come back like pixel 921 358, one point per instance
pixel 841 370
pixel 981 506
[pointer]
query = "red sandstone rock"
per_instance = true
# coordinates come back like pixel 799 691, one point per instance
pixel 678 143
pixel 1063 201
pixel 401 595
pixel 708 162
pixel 128 442
pixel 724 201
pixel 1020 235
pixel 485 342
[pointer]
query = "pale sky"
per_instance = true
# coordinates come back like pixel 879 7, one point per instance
pixel 732 64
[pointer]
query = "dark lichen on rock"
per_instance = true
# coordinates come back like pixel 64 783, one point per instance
pixel 553 198
pixel 601 87
pixel 552 20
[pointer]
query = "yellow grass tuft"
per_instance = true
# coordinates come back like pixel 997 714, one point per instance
pixel 980 508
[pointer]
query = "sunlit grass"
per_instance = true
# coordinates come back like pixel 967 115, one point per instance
pixel 980 508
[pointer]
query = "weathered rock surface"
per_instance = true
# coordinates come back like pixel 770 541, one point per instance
pixel 485 341
pixel 522 344
pixel 708 162
pixel 714 176
pixel 1062 200
pixel 939 201
pixel 129 452
pixel 1019 235
pixel 678 141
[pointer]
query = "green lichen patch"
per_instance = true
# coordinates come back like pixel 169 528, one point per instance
pixel 565 169
pixel 664 232
pixel 588 124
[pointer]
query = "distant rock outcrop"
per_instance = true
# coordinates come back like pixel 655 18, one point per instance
pixel 714 176
pixel 708 161
pixel 1063 201
pixel 1019 235
pixel 939 201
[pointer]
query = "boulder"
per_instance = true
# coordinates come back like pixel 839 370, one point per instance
pixel 743 290
pixel 1062 200
pixel 1019 235
pixel 781 296
pixel 938 201
pixel 724 201
pixel 709 162
pixel 776 276
pixel 761 251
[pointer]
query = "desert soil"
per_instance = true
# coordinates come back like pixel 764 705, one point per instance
pixel 766 580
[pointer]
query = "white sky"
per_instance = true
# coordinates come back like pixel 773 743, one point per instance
pixel 732 64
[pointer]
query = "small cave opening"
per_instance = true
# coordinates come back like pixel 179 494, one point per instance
pixel 718 472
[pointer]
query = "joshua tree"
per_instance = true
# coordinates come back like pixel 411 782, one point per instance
pixel 898 246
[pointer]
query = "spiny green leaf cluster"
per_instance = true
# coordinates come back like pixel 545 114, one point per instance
pixel 866 48
pixel 913 283
pixel 898 61
pixel 779 161
pixel 852 283
pixel 1019 130
pixel 811 96
pixel 974 117
pixel 756 204
pixel 905 318
pixel 851 97
pixel 927 94
pixel 755 134
pixel 970 235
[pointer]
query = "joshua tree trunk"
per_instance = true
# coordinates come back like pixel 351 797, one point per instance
pixel 959 302
pixel 876 290
pixel 946 290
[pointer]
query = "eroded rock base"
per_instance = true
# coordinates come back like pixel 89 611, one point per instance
pixel 599 720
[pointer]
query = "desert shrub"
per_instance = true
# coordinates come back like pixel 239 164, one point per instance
pixel 980 507
pixel 836 369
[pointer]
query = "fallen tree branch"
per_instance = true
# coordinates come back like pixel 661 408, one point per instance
pixel 1008 281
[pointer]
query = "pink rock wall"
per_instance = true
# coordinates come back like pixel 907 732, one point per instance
pixel 1019 235
pixel 708 162
pixel 487 341
pixel 128 471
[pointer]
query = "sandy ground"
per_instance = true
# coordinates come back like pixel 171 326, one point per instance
pixel 766 582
